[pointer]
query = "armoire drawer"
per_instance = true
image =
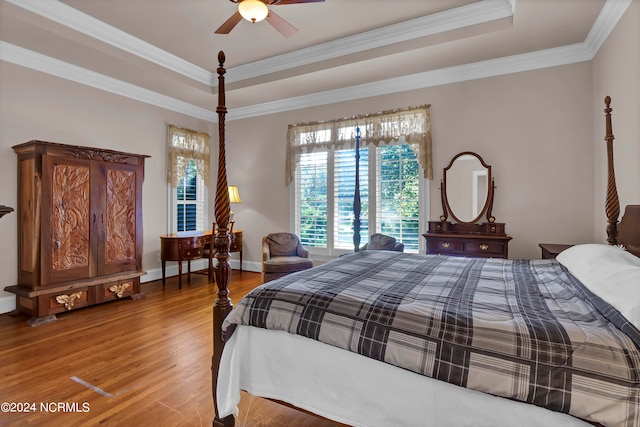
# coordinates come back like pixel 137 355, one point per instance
pixel 117 290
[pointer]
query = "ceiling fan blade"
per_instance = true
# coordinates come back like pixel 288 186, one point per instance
pixel 280 2
pixel 229 24
pixel 283 27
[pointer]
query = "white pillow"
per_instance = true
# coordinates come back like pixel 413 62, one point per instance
pixel 609 272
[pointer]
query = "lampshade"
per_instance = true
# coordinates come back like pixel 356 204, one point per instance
pixel 234 195
pixel 253 10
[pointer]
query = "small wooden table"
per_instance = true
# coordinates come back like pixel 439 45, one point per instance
pixel 551 250
pixel 189 245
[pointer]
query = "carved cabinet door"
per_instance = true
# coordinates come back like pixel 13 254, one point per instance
pixel 68 214
pixel 119 246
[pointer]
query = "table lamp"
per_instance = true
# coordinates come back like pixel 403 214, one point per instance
pixel 234 197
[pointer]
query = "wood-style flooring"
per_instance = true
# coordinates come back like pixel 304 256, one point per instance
pixel 144 362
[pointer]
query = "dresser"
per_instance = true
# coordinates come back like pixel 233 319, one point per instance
pixel 485 245
pixel 467 192
pixel 79 227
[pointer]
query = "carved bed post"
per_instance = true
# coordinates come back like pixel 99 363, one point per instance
pixel 222 270
pixel 612 203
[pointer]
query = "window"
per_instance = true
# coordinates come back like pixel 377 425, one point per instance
pixel 311 191
pixel 188 177
pixel 324 208
pixel 345 181
pixel 190 201
pixel 322 167
pixel 398 197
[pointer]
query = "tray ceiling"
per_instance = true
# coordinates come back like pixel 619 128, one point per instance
pixel 165 52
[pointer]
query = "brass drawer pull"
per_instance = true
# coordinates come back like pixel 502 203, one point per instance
pixel 445 245
pixel 484 247
pixel 120 289
pixel 68 300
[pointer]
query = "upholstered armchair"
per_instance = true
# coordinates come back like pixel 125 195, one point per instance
pixel 383 242
pixel 282 254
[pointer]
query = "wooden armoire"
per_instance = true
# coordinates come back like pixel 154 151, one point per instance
pixel 79 227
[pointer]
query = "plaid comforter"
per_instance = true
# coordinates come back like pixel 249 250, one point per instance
pixel 524 330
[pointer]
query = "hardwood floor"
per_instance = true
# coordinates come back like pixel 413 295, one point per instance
pixel 143 362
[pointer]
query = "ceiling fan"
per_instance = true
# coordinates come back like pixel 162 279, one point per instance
pixel 257 10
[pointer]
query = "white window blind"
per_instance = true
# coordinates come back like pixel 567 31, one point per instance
pixel 398 195
pixel 187 175
pixel 311 200
pixel 395 160
pixel 344 185
pixel 190 201
pixel 390 193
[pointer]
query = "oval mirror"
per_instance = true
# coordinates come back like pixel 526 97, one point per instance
pixel 467 180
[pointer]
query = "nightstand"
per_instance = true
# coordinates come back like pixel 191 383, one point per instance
pixel 551 250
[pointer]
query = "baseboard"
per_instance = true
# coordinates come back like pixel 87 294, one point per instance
pixel 253 266
pixel 8 303
pixel 201 264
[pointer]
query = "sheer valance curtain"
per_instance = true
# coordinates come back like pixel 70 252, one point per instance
pixel 186 145
pixel 414 124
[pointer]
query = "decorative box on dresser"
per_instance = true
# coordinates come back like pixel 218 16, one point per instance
pixel 467 192
pixel 79 227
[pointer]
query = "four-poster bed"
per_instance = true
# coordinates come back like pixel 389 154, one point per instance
pixel 451 332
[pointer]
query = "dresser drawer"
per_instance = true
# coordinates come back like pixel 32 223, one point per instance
pixel 444 245
pixel 467 245
pixel 190 248
pixel 484 248
pixel 191 253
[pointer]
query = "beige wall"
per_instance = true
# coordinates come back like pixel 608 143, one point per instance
pixel 533 128
pixel 541 131
pixel 616 71
pixel 35 105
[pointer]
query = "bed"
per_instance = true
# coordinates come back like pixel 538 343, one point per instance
pixel 412 339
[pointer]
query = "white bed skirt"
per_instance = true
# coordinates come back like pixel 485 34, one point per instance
pixel 358 391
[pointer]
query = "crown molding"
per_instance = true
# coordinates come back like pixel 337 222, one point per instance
pixel 86 24
pixel 46 64
pixel 472 14
pixel 472 71
pixel 611 13
pixel 606 21
pixel 460 17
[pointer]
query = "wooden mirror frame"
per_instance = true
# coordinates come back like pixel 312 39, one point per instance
pixel 5 210
pixel 488 203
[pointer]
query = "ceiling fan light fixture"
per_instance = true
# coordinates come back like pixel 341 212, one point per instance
pixel 253 10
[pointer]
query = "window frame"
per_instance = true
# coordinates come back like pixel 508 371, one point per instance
pixel 187 151
pixel 331 251
pixel 202 197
